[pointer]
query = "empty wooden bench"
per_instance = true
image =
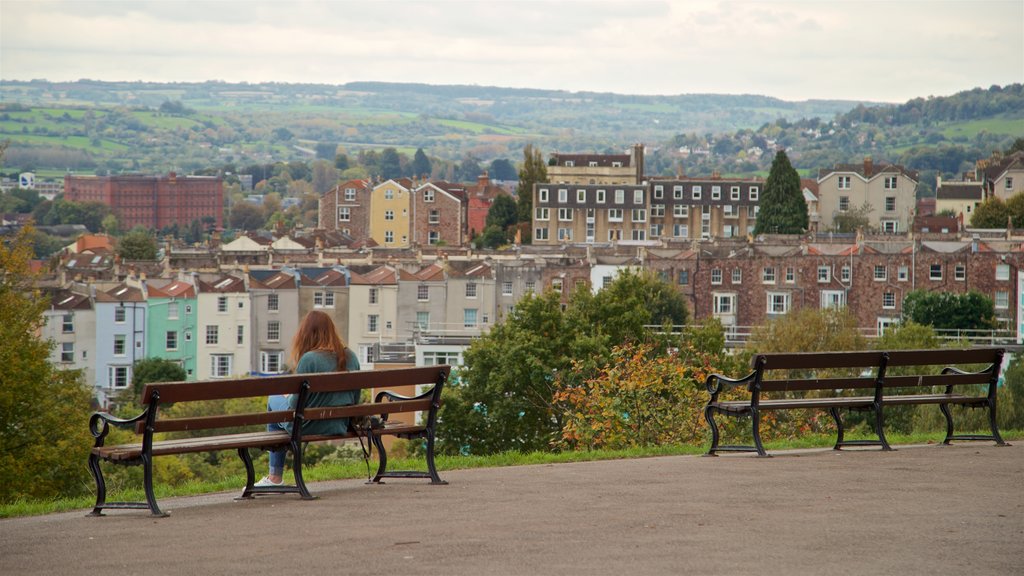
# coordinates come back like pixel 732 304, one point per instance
pixel 153 422
pixel 872 389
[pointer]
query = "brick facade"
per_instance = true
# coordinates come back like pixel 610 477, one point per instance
pixel 152 201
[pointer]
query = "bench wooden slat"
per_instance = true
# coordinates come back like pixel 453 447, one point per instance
pixel 943 357
pixel 797 384
pixel 933 399
pixel 779 403
pixel 818 360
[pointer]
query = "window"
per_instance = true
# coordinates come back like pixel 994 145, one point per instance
pixel 389 194
pixel 600 196
pixel 716 275
pixel 754 193
pixel 273 331
pixel 890 203
pixel 638 196
pixel 680 231
pixel 656 230
pixel 565 214
pixel 119 315
pixel 890 182
pixel 469 318
pixel 428 195
pixel 724 304
pixel 556 285
pixel 270 362
pixel 683 277
pixel 768 275
pixel 171 340
pixel 471 290
pixel 639 234
pixel 118 376
pixel 581 196
pixel 737 276
pixel 790 275
pixel 615 214
pixel 542 194
pixel 844 274
pixel 1009 183
pixel 423 293
pixel 696 192
pixel 188 335
pixel 67 352
pixel 729 211
pixel 935 272
pixel 620 196
pixel 240 333
pixel 614 234
pixel 372 323
pixel 220 365
pixel 272 303
pixel 844 203
pixel 659 192
pixel 657 210
pixel 172 310
pixel 716 192
pixel 902 273
pixel 540 233
pixel 778 302
pixel 824 274
pixel 119 345
pixel 433 237
pixel 881 273
pixel 960 272
pixel 350 194
pixel 389 237
pixel 833 298
pixel 565 234
pixel 638 215
pixel 506 288
pixel 344 214
pixel 734 193
pixel 389 214
pixel 563 195
pixel 67 324
pixel 422 320
pixel 844 182
pixel 212 334
pixel 681 211
pixel 1002 272
pixel 531 286
pixel 543 214
pixel 222 304
pixel 677 192
pixel 891 226
pixel 434 217
pixel 889 300
pixel 374 295
pixel 1002 300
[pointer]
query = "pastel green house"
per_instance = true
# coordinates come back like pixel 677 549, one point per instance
pixel 171 323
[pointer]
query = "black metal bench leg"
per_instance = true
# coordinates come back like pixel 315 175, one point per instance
pixel 992 424
pixel 755 417
pixel 147 466
pixel 297 469
pixel 709 416
pixel 431 467
pixel 250 474
pixel 949 423
pixel 101 486
pixel 839 427
pixel 880 428
pixel 382 457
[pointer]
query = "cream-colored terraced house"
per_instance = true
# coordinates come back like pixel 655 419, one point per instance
pixel 888 190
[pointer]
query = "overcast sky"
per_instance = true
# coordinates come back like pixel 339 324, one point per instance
pixel 871 50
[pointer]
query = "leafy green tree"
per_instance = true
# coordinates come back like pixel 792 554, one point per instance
pixel 808 330
pixel 783 209
pixel 992 213
pixel 533 171
pixel 154 370
pixel 853 219
pixel 390 164
pixel 622 311
pixel 1017 146
pixel 420 164
pixel 110 225
pixel 493 237
pixel 43 411
pixel 326 150
pixel 949 311
pixel 139 244
pixel 469 170
pixel 502 215
pixel 502 169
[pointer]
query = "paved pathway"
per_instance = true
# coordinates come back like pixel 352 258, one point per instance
pixel 919 510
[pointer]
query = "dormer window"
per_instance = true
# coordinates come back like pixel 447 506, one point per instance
pixel 569 163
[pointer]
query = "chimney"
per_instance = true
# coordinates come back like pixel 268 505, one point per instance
pixel 867 166
pixel 716 175
pixel 482 181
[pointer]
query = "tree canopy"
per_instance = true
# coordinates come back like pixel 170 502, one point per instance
pixel 420 164
pixel 783 209
pixel 139 244
pixel 533 171
pixel 949 311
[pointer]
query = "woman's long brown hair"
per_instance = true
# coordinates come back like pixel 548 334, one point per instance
pixel 317 332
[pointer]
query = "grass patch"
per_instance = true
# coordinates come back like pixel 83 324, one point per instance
pixel 356 468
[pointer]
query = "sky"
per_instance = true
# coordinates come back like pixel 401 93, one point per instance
pixel 885 51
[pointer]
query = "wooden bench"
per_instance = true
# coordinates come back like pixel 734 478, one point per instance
pixel 914 383
pixel 157 395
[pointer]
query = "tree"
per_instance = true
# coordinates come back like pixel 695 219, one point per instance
pixel 43 410
pixel 154 370
pixel 853 219
pixel 502 169
pixel 390 164
pixel 949 311
pixel 533 171
pixel 503 213
pixel 139 244
pixel 808 330
pixel 326 151
pixel 783 209
pixel 420 164
pixel 992 213
pixel 469 170
pixel 325 176
pixel 110 225
pixel 621 311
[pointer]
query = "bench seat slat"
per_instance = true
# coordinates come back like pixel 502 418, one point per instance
pixel 780 403
pixel 933 399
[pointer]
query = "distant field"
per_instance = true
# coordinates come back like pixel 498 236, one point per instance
pixel 1008 126
pixel 77 142
pixel 476 127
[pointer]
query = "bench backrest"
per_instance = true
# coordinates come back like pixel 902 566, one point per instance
pixel 161 393
pixel 874 366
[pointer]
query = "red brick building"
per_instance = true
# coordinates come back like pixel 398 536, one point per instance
pixel 439 214
pixel 481 196
pixel 152 201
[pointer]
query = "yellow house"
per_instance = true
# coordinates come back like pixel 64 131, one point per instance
pixel 390 208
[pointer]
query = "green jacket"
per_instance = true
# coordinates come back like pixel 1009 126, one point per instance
pixel 319 361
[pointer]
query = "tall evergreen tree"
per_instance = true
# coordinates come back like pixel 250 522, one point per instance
pixel 420 164
pixel 533 171
pixel 390 164
pixel 783 209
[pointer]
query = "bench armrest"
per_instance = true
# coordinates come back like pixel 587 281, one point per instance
pixel 100 422
pixel 392 396
pixel 715 383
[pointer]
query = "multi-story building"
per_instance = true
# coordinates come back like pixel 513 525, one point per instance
pixel 346 208
pixel 439 214
pixel 171 323
pixel 1002 176
pixel 374 301
pixel 887 192
pixel 470 296
pixel 120 339
pixel 421 303
pixel 480 198
pixel 703 208
pixel 152 201
pixel 326 290
pixel 224 324
pixel 70 323
pixel 390 205
pixel 275 318
pixel 597 168
pixel 958 198
pixel 578 213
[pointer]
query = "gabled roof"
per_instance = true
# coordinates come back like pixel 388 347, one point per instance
pixel 68 300
pixel 171 289
pixel 432 273
pixel 223 284
pixel 948 247
pixel 120 293
pixel 867 171
pixel 998 165
pixel 456 191
pixel 584 160
pixel 271 280
pixel 960 191
pixel 381 276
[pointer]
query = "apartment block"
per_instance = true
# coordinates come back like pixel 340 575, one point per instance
pixel 886 191
pixel 225 327
pixel 1002 176
pixel 390 205
pixel 152 201
pixel 589 213
pixel 274 296
pixel 439 214
pixel 346 209
pixel 598 168
pixel 70 323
